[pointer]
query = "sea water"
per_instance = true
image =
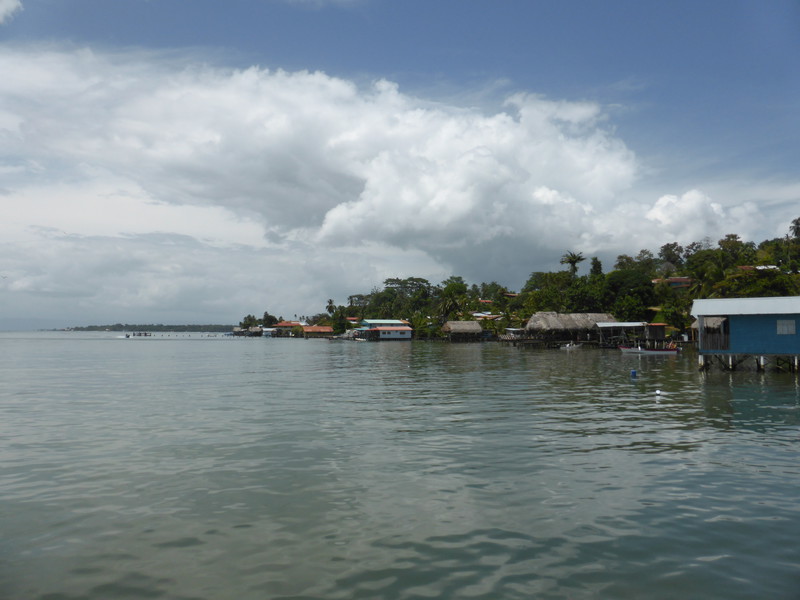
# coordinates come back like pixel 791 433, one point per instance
pixel 189 466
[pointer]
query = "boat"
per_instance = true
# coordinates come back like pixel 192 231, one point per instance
pixel 571 346
pixel 649 351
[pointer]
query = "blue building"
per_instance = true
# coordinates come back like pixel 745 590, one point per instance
pixel 746 327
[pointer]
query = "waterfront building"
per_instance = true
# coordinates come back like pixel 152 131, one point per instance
pixel 734 329
pixel 566 326
pixel 385 329
pixel 463 331
pixel 317 331
pixel 285 328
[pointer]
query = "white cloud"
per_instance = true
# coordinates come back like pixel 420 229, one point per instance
pixel 8 8
pixel 693 213
pixel 144 183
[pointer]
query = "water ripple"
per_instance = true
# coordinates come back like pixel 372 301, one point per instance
pixel 306 469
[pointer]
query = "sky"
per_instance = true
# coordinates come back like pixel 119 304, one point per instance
pixel 174 162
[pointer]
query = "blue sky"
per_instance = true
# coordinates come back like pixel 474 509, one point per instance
pixel 182 162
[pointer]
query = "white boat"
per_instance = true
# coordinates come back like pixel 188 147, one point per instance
pixel 571 346
pixel 649 351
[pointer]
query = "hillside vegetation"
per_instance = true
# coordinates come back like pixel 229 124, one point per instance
pixel 638 288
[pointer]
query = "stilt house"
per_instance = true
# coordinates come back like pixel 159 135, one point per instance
pixel 750 326
pixel 463 331
pixel 566 326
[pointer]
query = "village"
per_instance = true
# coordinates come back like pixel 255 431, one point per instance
pixel 727 332
pixel 732 303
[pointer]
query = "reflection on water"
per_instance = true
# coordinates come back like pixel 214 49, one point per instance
pixel 218 468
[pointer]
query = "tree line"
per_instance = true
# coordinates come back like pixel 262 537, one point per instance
pixel 638 288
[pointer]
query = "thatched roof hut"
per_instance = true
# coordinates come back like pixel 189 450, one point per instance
pixel 712 325
pixel 462 330
pixel 710 322
pixel 565 325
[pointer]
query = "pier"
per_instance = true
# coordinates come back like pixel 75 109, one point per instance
pixel 730 362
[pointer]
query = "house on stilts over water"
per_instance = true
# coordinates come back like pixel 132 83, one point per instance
pixel 731 331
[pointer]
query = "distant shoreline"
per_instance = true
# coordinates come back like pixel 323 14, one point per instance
pixel 151 327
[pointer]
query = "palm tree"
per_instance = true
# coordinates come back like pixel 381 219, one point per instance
pixel 794 228
pixel 572 259
pixel 331 306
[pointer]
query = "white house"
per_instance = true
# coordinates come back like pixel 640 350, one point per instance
pixel 385 329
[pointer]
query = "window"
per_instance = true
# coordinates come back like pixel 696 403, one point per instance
pixel 786 327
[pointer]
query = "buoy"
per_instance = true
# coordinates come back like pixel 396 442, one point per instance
pixel 658 392
pixel 633 373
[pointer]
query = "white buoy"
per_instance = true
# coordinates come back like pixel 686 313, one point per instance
pixel 658 392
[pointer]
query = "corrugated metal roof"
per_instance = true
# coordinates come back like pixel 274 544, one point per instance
pixel 780 305
pixel 622 324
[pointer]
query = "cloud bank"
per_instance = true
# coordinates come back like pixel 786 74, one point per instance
pixel 138 184
pixel 8 8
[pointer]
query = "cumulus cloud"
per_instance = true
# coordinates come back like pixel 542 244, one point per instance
pixel 694 215
pixel 691 213
pixel 150 181
pixel 8 8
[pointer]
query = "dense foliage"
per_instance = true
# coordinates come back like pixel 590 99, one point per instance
pixel 638 288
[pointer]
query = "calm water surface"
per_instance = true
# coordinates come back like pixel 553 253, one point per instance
pixel 193 467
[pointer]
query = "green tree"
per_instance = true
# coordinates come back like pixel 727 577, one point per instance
pixel 647 263
pixel 572 259
pixel 548 291
pixel 773 252
pixel 736 252
pixel 630 308
pixel 624 263
pixel 536 281
pixel 449 306
pixel 706 268
pixel 587 294
pixel 676 310
pixel 339 320
pixel 423 326
pixel 454 285
pixel 671 256
pixel 794 228
pixel 629 292
pixel 249 321
pixel 694 247
pixel 754 283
